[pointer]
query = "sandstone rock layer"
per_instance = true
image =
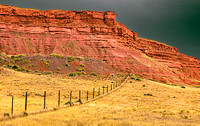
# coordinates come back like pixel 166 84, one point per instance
pixel 93 34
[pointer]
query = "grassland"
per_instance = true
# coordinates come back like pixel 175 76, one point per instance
pixel 136 103
pixel 17 83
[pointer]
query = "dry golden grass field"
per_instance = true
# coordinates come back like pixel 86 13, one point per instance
pixel 17 83
pixel 135 103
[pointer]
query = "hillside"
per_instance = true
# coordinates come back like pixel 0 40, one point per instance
pixel 95 35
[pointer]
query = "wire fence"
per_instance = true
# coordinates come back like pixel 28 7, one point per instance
pixel 47 102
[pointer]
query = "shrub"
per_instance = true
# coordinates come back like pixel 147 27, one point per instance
pixel 93 74
pixel 17 59
pixel 47 64
pixel 42 60
pixel 66 64
pixel 48 72
pixel 131 82
pixel 19 56
pixel 18 69
pixel 39 74
pixel 58 68
pixel 28 70
pixel 10 66
pixel 120 75
pixel 83 72
pixel 57 55
pixel 198 86
pixel 72 74
pixel 82 65
pixel 143 85
pixel 15 67
pixel 80 69
pixel 182 86
pixel 133 78
pixel 37 71
pixel 79 73
pixel 25 61
pixel 23 69
pixel 70 58
pixel 138 79
pixel 148 94
pixel 79 58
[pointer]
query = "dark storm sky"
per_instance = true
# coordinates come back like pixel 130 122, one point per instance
pixel 174 22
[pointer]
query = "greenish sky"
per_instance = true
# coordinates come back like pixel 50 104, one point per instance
pixel 174 22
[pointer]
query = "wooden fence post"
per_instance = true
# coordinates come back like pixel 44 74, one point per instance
pixel 12 105
pixel 93 92
pixel 44 99
pixel 99 92
pixel 70 97
pixel 26 101
pixel 103 89
pixel 87 95
pixel 79 96
pixel 59 98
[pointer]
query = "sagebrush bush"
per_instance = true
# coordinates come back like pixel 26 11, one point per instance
pixel 93 74
pixel 80 69
pixel 72 74
pixel 15 67
pixel 82 65
pixel 57 55
pixel 70 58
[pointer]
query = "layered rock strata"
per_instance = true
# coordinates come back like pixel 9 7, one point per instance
pixel 93 34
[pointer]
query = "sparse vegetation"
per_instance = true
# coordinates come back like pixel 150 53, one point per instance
pixel 148 94
pixel 72 74
pixel 93 74
pixel 57 55
pixel 71 58
pixel 15 67
pixel 182 86
pixel 25 61
pixel 120 74
pixel 80 69
pixel 82 65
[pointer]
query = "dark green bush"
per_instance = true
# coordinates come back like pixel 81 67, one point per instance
pixel 28 70
pixel 93 74
pixel 182 86
pixel 72 74
pixel 138 79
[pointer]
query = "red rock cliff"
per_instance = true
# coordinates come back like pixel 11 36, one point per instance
pixel 93 34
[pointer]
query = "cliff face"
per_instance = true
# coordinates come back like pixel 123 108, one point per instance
pixel 93 34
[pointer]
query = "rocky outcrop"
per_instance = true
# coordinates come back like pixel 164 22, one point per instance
pixel 93 34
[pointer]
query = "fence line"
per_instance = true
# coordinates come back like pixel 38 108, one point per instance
pixel 113 88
